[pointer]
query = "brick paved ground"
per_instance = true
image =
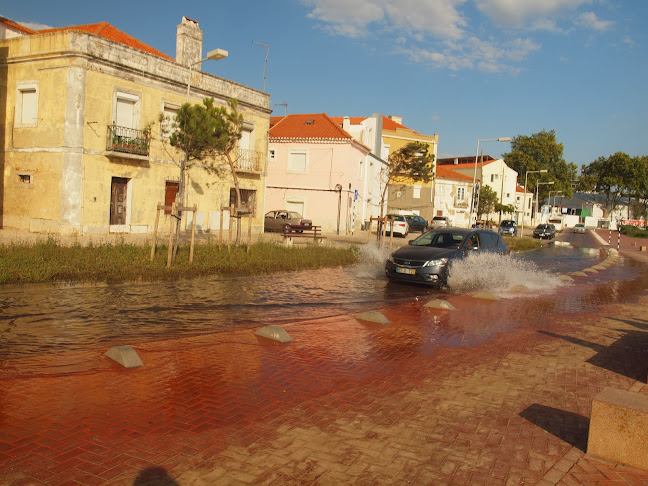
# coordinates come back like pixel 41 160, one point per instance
pixel 492 393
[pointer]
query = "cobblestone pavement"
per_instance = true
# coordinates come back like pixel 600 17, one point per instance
pixel 492 393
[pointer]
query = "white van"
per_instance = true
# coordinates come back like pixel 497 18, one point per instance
pixel 558 223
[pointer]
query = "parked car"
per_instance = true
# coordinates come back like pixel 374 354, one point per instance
pixel 281 220
pixel 417 223
pixel 401 228
pixel 545 231
pixel 438 221
pixel 579 228
pixel 507 227
pixel 558 224
pixel 427 259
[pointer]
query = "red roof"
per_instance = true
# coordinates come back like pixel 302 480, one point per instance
pixel 107 31
pixel 447 172
pixel 387 123
pixel 15 26
pixel 317 126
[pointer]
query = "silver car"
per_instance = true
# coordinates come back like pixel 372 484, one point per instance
pixel 282 220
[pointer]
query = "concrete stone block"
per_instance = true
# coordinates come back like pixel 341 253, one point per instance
pixel 619 427
pixel 519 289
pixel 125 356
pixel 485 296
pixel 578 274
pixel 566 278
pixel 276 333
pixel 440 304
pixel 372 316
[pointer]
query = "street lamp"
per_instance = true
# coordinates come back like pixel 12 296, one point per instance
pixel 475 203
pixel 215 55
pixel 555 193
pixel 542 171
pixel 538 184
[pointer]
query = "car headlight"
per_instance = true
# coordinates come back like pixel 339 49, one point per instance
pixel 390 258
pixel 435 263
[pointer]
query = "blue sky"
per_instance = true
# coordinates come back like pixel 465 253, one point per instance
pixel 465 69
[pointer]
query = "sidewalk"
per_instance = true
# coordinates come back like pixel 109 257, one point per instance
pixel 492 393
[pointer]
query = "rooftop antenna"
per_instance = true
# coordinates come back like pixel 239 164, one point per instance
pixel 285 105
pixel 265 67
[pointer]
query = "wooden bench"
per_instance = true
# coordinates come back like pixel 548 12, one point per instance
pixel 297 231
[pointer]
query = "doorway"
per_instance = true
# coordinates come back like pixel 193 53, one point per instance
pixel 119 219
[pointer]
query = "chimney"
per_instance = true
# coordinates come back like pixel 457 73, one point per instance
pixel 397 119
pixel 456 161
pixel 188 42
pixel 346 123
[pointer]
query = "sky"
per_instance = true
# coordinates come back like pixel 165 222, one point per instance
pixel 468 70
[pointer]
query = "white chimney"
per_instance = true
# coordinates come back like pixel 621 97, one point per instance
pixel 188 42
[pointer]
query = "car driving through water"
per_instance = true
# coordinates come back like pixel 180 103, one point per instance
pixel 428 259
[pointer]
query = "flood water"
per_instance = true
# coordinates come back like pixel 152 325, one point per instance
pixel 37 320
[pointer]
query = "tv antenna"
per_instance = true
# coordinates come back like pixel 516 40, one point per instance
pixel 285 105
pixel 265 66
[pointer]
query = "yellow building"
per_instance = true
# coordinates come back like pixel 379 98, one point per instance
pixel 83 147
pixel 404 194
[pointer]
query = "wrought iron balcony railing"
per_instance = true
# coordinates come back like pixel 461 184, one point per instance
pixel 128 140
pixel 249 160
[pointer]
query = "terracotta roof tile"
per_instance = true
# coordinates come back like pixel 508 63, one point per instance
pixel 448 172
pixel 107 31
pixel 316 126
pixel 16 26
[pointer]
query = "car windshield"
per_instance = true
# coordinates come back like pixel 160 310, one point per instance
pixel 395 217
pixel 507 224
pixel 437 239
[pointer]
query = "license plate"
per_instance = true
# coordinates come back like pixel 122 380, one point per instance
pixel 409 271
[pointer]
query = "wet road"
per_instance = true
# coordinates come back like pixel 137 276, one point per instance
pixel 44 319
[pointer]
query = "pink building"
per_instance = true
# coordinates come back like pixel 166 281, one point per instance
pixel 319 170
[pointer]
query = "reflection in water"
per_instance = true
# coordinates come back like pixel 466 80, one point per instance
pixel 37 320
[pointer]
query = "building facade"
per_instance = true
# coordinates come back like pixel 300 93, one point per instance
pixel 319 170
pixel 85 148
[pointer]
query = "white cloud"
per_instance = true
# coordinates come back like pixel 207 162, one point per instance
pixel 589 20
pixel 475 53
pixel 517 12
pixel 354 18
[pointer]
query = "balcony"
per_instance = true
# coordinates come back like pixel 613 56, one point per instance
pixel 460 203
pixel 250 161
pixel 128 140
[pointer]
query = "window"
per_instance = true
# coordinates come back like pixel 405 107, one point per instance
pixel 494 177
pixel 170 112
pixel 27 105
pixel 272 154
pixel 25 179
pixel 461 193
pixel 298 162
pixel 126 110
pixel 417 192
pixel 248 199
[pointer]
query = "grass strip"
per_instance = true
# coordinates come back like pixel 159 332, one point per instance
pixel 48 261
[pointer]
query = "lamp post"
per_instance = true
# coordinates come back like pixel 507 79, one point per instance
pixel 542 171
pixel 538 184
pixel 555 193
pixel 474 202
pixel 215 55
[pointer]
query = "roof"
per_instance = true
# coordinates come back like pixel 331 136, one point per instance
pixel 387 123
pixel 16 26
pixel 463 160
pixel 107 31
pixel 466 165
pixel 317 126
pixel 519 188
pixel 448 172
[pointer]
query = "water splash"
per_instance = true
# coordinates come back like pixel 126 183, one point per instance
pixel 498 274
